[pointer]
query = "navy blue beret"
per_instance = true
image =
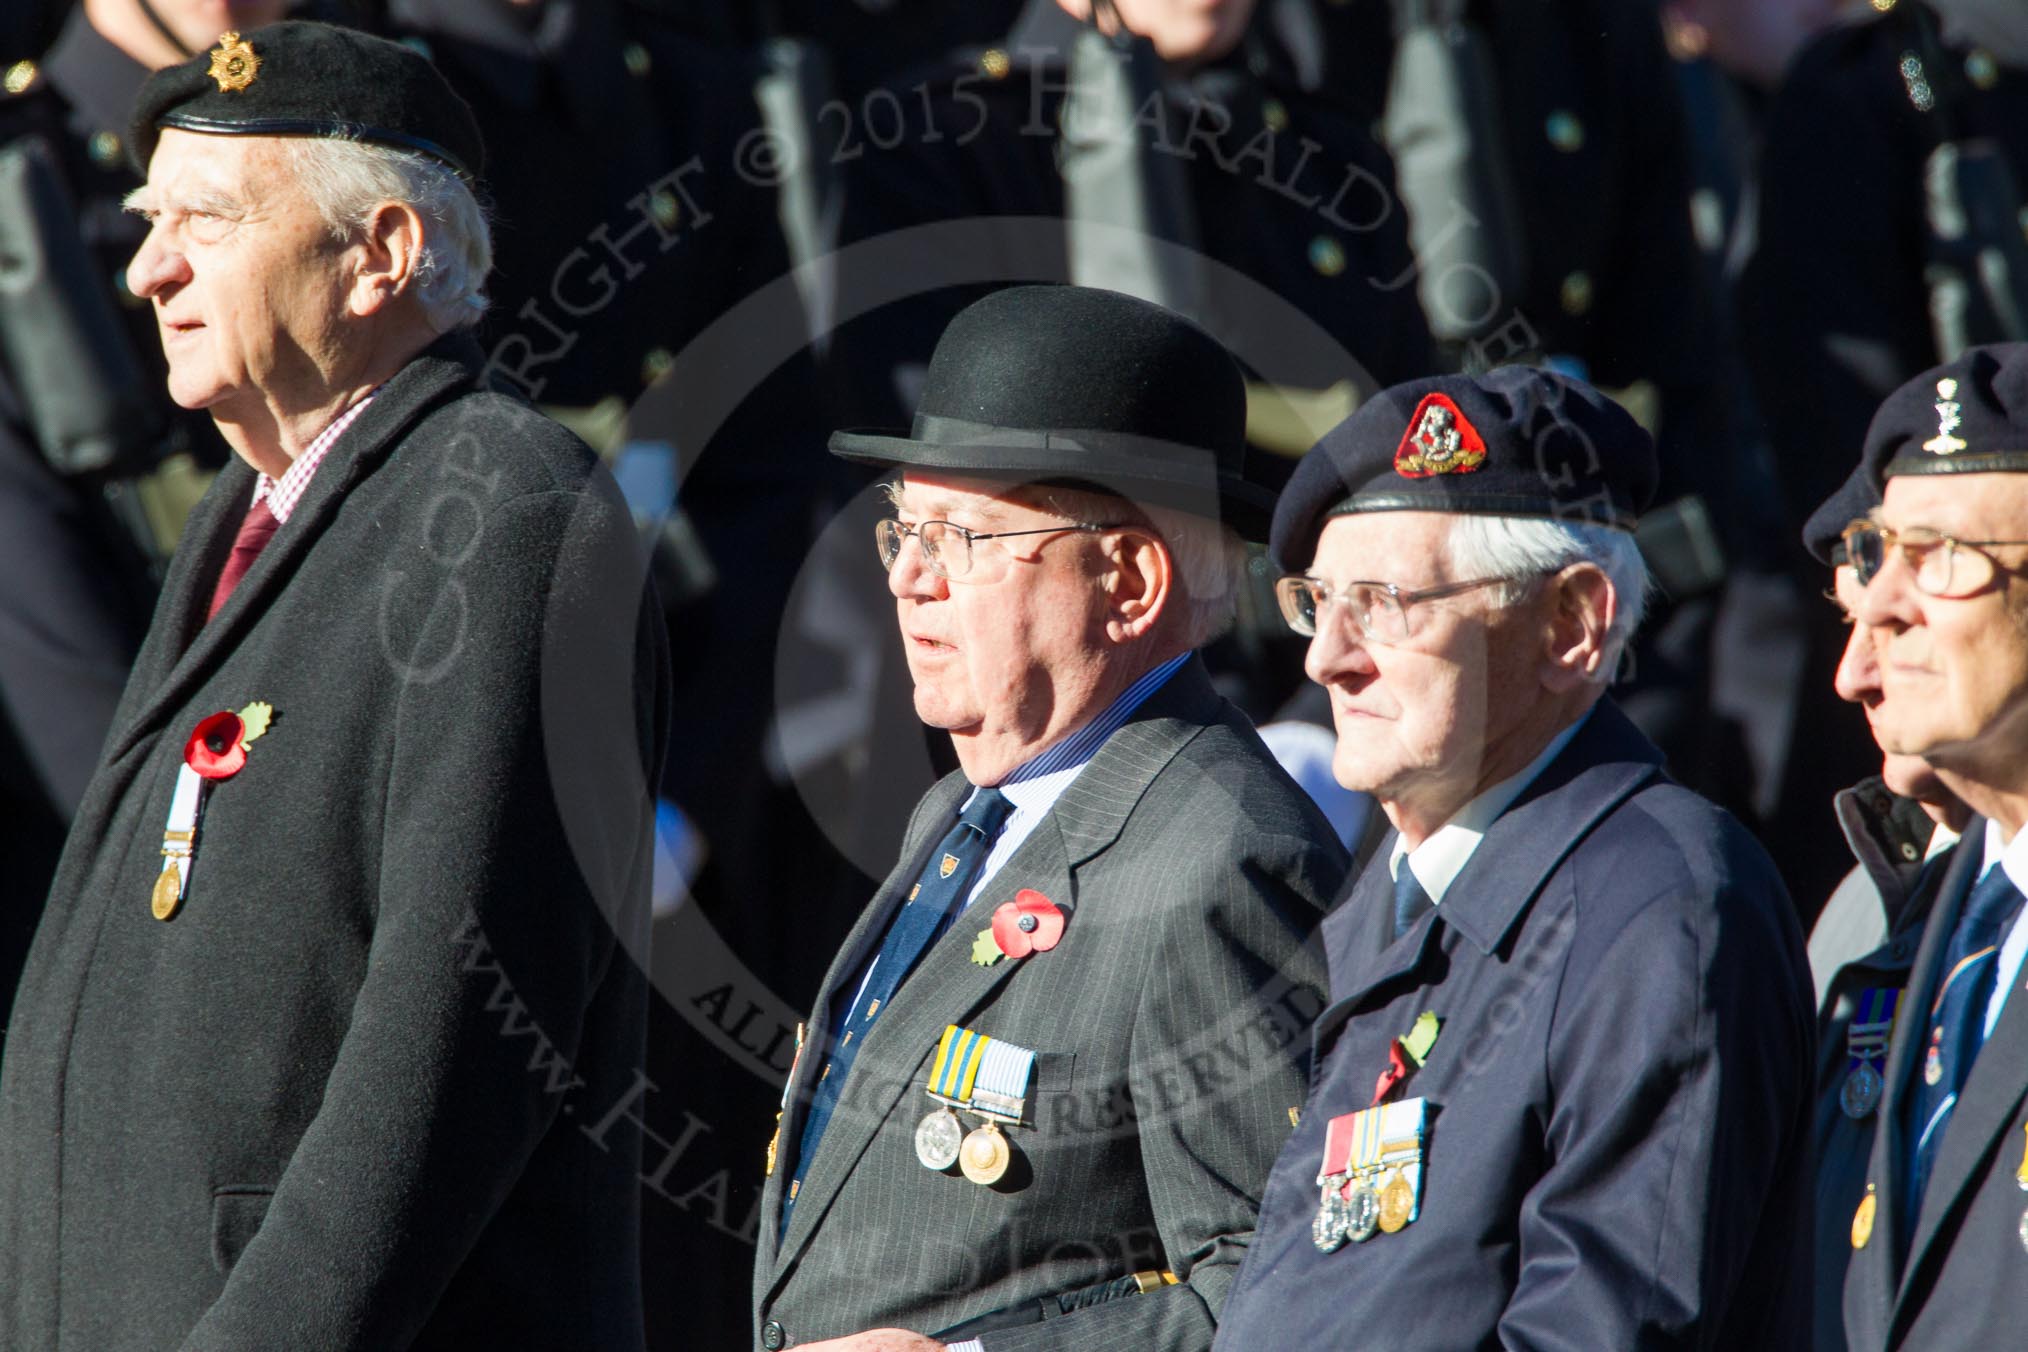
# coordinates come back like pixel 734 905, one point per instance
pixel 310 79
pixel 1516 441
pixel 1968 416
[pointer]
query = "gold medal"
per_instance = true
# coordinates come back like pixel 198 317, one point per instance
pixel 168 894
pixel 1397 1201
pixel 1862 1220
pixel 984 1157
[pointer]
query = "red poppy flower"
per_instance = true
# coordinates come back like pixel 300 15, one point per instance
pixel 1031 923
pixel 217 750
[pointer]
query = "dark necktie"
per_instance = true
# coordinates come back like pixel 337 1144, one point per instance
pixel 1410 901
pixel 1957 1023
pixel 254 534
pixel 937 898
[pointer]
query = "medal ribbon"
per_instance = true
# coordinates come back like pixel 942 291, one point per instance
pixel 1872 1024
pixel 956 1069
pixel 179 834
pixel 1003 1075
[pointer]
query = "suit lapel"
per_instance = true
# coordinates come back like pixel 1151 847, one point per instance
pixel 176 670
pixel 948 987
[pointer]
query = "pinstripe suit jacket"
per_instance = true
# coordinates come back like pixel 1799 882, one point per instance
pixel 1170 1025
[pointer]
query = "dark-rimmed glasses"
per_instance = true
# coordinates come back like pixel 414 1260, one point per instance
pixel 1941 565
pixel 1380 609
pixel 947 548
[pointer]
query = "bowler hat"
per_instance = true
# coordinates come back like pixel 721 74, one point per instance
pixel 1071 384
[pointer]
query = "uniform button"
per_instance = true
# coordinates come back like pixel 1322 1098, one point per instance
pixel 639 63
pixel 1565 132
pixel 666 209
pixel 1575 293
pixel 1327 256
pixel 995 65
pixel 105 149
pixel 19 76
pixel 773 1336
pixel 1981 68
pixel 1275 114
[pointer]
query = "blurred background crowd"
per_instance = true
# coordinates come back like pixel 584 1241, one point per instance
pixel 727 227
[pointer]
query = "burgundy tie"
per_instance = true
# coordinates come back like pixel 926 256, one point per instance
pixel 254 533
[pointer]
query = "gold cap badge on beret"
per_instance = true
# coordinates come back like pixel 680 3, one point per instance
pixel 1440 440
pixel 233 63
pixel 1948 416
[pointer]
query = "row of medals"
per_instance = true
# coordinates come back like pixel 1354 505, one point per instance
pixel 981 1154
pixel 1380 1199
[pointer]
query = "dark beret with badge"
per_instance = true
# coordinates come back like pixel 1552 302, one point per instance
pixel 310 79
pixel 1968 416
pixel 1084 387
pixel 1516 441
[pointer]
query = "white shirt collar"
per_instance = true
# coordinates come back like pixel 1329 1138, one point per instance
pixel 1443 855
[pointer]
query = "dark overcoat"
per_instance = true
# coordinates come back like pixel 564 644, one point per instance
pixel 1169 1025
pixel 1619 1156
pixel 335 1100
pixel 1960 1277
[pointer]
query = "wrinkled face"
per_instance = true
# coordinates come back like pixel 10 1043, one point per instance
pixel 1858 681
pixel 246 280
pixel 1954 673
pixel 1184 31
pixel 1012 651
pixel 197 23
pixel 1419 721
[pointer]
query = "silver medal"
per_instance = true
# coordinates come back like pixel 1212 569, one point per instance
pixel 1362 1212
pixel 937 1138
pixel 1327 1231
pixel 1861 1094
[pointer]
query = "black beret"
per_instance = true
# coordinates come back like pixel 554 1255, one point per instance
pixel 1968 416
pixel 310 79
pixel 1516 441
pixel 1086 386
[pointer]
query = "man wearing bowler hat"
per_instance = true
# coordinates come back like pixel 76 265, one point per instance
pixel 1045 1077
pixel 1940 1234
pixel 336 966
pixel 1562 1094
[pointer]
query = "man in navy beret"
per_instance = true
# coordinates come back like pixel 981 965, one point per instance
pixel 1561 1095
pixel 335 973
pixel 1940 1236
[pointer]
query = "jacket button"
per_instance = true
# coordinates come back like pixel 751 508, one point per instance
pixel 773 1336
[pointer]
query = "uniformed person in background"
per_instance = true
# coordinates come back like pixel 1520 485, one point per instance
pixel 82 413
pixel 1561 1095
pixel 1901 825
pixel 1889 151
pixel 1940 1233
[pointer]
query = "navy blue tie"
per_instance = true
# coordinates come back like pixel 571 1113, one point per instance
pixel 1410 901
pixel 935 901
pixel 1957 1023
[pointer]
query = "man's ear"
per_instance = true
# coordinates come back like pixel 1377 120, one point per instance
pixel 388 252
pixel 1139 579
pixel 1581 607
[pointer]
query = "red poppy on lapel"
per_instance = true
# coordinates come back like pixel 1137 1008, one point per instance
pixel 1031 923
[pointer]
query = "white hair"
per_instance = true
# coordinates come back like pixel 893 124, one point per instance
pixel 1208 555
pixel 1522 548
pixel 347 181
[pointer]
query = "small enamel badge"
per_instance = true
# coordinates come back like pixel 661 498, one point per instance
pixel 1948 411
pixel 233 63
pixel 217 750
pixel 1031 923
pixel 1440 440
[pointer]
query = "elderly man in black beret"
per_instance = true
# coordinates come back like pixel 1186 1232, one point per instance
pixel 1045 1078
pixel 1561 1096
pixel 1940 1236
pixel 336 963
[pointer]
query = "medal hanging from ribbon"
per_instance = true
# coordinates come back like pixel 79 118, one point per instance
pixel 987 1078
pixel 1371 1180
pixel 215 751
pixel 1866 1039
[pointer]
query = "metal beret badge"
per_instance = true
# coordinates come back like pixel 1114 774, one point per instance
pixel 234 63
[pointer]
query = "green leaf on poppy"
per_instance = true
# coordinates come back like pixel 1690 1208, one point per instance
pixel 985 949
pixel 256 717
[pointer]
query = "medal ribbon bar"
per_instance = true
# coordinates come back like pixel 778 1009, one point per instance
pixel 955 1071
pixel 1001 1091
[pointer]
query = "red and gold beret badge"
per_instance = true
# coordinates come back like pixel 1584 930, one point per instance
pixel 1439 440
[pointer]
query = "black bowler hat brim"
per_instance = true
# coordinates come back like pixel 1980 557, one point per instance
pixel 1140 469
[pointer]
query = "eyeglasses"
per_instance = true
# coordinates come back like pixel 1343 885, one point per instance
pixel 1942 565
pixel 947 548
pixel 1380 609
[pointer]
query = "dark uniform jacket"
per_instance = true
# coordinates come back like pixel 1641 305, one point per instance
pixel 1619 1156
pixel 1888 836
pixel 1169 1025
pixel 1963 1280
pixel 334 1102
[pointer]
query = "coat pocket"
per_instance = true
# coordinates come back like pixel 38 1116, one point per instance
pixel 237 1211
